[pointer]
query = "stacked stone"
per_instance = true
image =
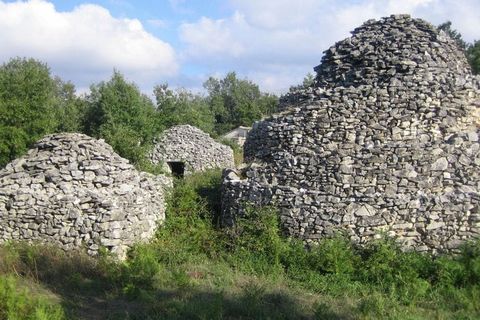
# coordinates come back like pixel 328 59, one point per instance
pixel 193 147
pixel 385 141
pixel 76 192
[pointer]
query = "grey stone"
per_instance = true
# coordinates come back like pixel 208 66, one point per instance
pixel 47 205
pixel 386 137
pixel 191 147
pixel 440 164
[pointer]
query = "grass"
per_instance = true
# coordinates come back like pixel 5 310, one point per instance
pixel 193 270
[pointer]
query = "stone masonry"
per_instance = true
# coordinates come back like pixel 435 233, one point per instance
pixel 193 148
pixel 386 140
pixel 74 191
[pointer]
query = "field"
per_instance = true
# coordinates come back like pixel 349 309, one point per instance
pixel 194 270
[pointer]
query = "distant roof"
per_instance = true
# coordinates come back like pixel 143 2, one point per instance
pixel 234 132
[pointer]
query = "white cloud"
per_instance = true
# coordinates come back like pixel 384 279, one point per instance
pixel 83 45
pixel 273 41
pixel 158 23
pixel 214 37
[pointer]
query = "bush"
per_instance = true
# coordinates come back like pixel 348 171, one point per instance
pixel 21 305
pixel 400 274
pixel 333 256
pixel 256 240
pixel 188 231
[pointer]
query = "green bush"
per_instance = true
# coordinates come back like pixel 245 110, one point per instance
pixel 400 274
pixel 256 241
pixel 140 270
pixel 333 255
pixel 189 231
pixel 16 304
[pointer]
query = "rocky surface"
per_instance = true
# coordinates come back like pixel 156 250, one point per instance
pixel 193 147
pixel 74 191
pixel 386 140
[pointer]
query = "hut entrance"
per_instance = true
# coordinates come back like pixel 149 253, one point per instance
pixel 177 168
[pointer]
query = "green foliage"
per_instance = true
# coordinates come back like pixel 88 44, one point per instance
pixel 189 231
pixel 398 273
pixel 334 256
pixel 123 116
pixel 70 110
pixel 256 240
pixel 308 81
pixel 27 105
pixel 236 102
pixel 18 304
pixel 473 56
pixel 182 107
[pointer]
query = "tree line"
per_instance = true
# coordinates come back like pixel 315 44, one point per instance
pixel 34 103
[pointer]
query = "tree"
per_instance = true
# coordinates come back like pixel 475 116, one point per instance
pixel 308 81
pixel 473 56
pixel 70 109
pixel 119 113
pixel 175 107
pixel 236 102
pixel 27 105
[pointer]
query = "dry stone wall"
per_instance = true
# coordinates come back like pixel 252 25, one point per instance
pixel 386 140
pixel 74 191
pixel 193 148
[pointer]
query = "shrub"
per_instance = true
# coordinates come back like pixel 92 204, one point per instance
pixel 21 305
pixel 333 255
pixel 188 231
pixel 395 272
pixel 256 240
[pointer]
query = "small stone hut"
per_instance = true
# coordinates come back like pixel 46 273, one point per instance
pixel 386 140
pixel 185 149
pixel 76 192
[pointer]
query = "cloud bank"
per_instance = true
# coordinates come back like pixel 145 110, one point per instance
pixel 85 44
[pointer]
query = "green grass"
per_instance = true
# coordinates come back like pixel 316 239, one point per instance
pixel 193 270
pixel 18 304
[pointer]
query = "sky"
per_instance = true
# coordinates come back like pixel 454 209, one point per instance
pixel 273 43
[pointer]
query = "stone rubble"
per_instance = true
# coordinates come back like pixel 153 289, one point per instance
pixel 74 191
pixel 385 141
pixel 193 147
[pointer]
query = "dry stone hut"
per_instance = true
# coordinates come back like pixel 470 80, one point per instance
pixel 74 191
pixel 385 140
pixel 185 149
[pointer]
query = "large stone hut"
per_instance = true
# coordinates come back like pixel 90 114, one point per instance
pixel 386 140
pixel 74 191
pixel 185 149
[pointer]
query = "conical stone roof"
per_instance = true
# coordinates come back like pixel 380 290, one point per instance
pixel 394 49
pixel 76 192
pixel 385 140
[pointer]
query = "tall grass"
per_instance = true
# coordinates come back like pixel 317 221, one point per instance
pixel 17 304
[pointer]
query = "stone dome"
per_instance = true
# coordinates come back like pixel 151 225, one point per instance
pixel 75 191
pixel 397 48
pixel 185 149
pixel 386 140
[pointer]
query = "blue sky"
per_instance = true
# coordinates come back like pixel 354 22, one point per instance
pixel 271 42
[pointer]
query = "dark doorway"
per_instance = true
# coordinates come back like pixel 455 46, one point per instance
pixel 177 168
